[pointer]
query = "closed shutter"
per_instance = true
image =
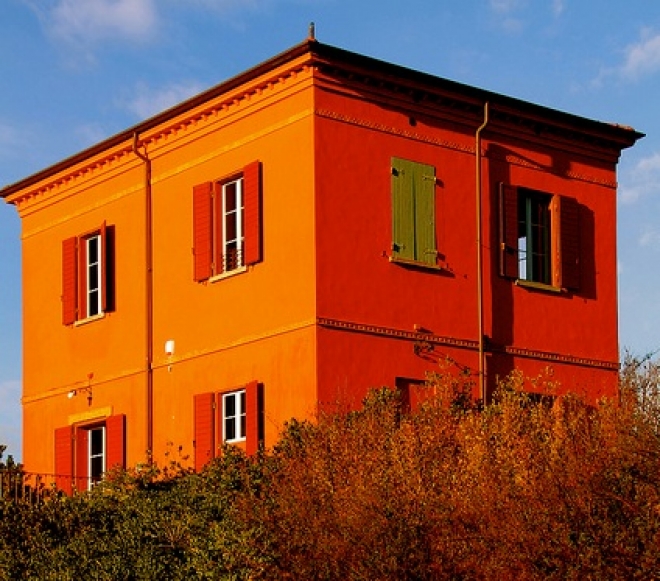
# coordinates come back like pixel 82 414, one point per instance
pixel 508 231
pixel 403 210
pixel 81 481
pixel 569 215
pixel 69 280
pixel 252 246
pixel 115 443
pixel 253 417
pixel 202 231
pixel 64 459
pixel 204 428
pixel 424 199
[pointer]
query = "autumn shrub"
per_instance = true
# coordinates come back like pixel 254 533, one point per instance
pixel 524 488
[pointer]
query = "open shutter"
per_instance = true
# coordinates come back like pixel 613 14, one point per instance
pixel 81 481
pixel 252 245
pixel 204 428
pixel 69 280
pixel 64 459
pixel 115 443
pixel 403 210
pixel 253 417
pixel 508 231
pixel 104 267
pixel 424 200
pixel 108 241
pixel 202 230
pixel 569 236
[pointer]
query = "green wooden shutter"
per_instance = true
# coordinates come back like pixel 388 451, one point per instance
pixel 424 195
pixel 413 211
pixel 403 210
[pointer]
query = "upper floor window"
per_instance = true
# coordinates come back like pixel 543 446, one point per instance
pixel 534 228
pixel 413 212
pixel 539 237
pixel 88 275
pixel 227 223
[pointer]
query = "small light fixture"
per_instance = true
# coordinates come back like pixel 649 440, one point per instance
pixel 169 347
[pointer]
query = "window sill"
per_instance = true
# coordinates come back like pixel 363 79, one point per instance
pixel 538 286
pixel 236 441
pixel 228 274
pixel 415 263
pixel 82 322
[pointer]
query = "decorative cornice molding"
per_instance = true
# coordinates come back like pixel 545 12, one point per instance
pixel 465 344
pixel 191 120
pixel 417 136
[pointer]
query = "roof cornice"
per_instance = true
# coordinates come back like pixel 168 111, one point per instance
pixel 430 89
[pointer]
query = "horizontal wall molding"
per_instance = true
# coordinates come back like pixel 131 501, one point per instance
pixel 469 344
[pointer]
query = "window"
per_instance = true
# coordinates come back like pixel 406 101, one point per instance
pixel 534 236
pixel 227 223
pixel 234 416
pixel 88 275
pixel 83 453
pixel 413 212
pixel 539 238
pixel 95 454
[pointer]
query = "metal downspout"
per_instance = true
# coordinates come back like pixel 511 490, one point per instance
pixel 480 281
pixel 149 299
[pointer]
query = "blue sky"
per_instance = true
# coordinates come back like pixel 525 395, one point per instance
pixel 76 71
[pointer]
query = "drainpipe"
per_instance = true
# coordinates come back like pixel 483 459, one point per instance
pixel 480 281
pixel 149 299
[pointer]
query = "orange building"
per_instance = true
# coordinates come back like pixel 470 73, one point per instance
pixel 321 224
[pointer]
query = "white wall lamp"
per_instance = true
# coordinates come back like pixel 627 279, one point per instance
pixel 87 389
pixel 169 351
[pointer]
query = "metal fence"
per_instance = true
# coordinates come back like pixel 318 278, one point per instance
pixel 17 485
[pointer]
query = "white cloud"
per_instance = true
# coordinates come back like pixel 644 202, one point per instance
pixel 642 180
pixel 558 7
pixel 146 101
pixel 85 22
pixel 643 57
pixel 650 238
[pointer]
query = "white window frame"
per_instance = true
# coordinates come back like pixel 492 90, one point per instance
pixel 94 284
pixel 91 480
pixel 238 213
pixel 238 416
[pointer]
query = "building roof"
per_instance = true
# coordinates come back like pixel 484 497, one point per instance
pixel 421 86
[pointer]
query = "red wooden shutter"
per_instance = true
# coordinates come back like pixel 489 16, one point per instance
pixel 253 417
pixel 508 231
pixel 64 459
pixel 204 429
pixel 69 280
pixel 104 267
pixel 569 231
pixel 115 443
pixel 252 223
pixel 81 481
pixel 202 231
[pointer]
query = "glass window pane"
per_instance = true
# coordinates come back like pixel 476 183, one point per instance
pixel 230 428
pixel 96 441
pixel 93 250
pixel 230 197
